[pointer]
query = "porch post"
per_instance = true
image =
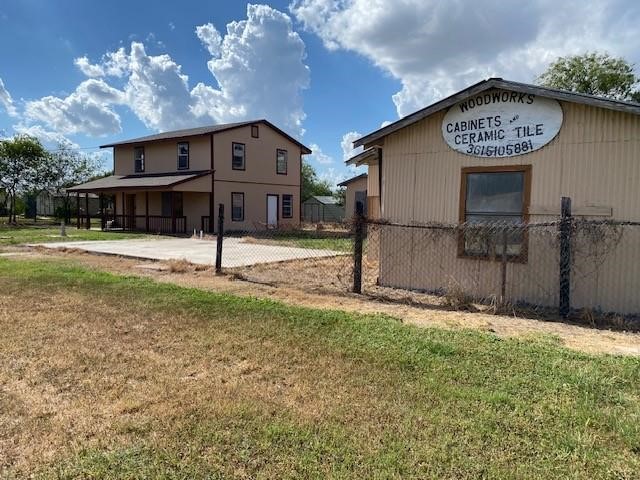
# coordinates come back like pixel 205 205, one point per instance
pixel 173 212
pixel 102 221
pixel 78 210
pixel 87 213
pixel 124 220
pixel 146 210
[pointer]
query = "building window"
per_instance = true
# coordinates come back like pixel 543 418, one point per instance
pixel 494 203
pixel 238 152
pixel 281 162
pixel 138 159
pixel 183 155
pixel 287 206
pixel 255 131
pixel 166 203
pixel 237 207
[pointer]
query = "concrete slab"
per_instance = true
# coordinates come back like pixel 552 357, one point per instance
pixel 236 252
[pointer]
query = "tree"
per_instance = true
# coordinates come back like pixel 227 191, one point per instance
pixel 341 196
pixel 311 184
pixel 595 74
pixel 21 160
pixel 67 167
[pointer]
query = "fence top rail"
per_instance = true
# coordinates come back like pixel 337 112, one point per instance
pixel 499 225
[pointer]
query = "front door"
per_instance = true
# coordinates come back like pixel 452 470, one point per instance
pixel 130 209
pixel 272 210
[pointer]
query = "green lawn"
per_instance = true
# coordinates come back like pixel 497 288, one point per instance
pixel 303 239
pixel 121 377
pixel 16 235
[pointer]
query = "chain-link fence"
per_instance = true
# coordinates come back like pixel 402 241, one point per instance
pixel 591 267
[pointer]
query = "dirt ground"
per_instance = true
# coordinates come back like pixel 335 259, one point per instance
pixel 572 336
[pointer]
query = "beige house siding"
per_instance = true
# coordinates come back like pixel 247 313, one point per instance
pixel 359 185
pixel 595 160
pixel 161 156
pixel 260 156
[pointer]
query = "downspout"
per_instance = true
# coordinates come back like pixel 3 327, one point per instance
pixel 380 181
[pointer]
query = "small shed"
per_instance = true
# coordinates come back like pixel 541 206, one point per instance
pixel 322 209
pixel 356 192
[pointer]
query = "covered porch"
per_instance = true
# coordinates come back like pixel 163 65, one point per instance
pixel 167 204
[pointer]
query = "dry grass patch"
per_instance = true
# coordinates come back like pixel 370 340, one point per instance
pixel 110 377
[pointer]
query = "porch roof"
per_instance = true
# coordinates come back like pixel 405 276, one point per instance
pixel 138 182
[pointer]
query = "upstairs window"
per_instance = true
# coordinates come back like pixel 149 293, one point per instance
pixel 183 155
pixel 138 159
pixel 238 156
pixel 255 131
pixel 237 207
pixel 287 206
pixel 495 204
pixel 281 162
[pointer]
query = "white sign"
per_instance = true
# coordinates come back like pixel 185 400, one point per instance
pixel 499 123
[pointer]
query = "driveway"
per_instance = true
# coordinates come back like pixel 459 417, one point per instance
pixel 235 253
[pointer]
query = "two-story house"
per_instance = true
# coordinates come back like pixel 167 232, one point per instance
pixel 173 182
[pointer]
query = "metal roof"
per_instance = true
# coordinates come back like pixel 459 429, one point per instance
pixel 205 130
pixel 363 157
pixel 326 199
pixel 350 180
pixel 490 83
pixel 140 182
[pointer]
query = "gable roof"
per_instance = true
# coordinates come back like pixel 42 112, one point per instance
pixel 325 199
pixel 353 179
pixel 192 132
pixel 628 107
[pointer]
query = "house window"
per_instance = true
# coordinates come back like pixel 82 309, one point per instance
pixel 255 131
pixel 281 162
pixel 183 155
pixel 166 203
pixel 287 206
pixel 494 201
pixel 138 159
pixel 237 207
pixel 238 152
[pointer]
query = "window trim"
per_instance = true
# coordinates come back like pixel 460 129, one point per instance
pixel 178 167
pixel 290 195
pixel 244 149
pixel 526 202
pixel 286 161
pixel 233 219
pixel 135 166
pixel 255 128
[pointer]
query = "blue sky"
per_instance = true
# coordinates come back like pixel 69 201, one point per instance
pixel 325 71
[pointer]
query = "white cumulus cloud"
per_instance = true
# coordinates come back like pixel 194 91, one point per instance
pixel 347 145
pixel 435 48
pixel 87 110
pixel 210 38
pixel 6 101
pixel 319 156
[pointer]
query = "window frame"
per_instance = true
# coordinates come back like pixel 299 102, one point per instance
pixel 255 131
pixel 286 161
pixel 179 155
pixel 235 219
pixel 290 196
pixel 135 160
pixel 244 160
pixel 522 257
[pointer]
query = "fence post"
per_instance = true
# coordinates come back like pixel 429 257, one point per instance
pixel 503 284
pixel 219 238
pixel 357 249
pixel 564 306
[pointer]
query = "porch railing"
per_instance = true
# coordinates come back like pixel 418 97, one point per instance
pixel 156 223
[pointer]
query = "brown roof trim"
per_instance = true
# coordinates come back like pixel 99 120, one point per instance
pixel 117 188
pixel 353 179
pixel 206 130
pixel 479 87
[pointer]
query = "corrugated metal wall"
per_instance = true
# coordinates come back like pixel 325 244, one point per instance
pixel 595 160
